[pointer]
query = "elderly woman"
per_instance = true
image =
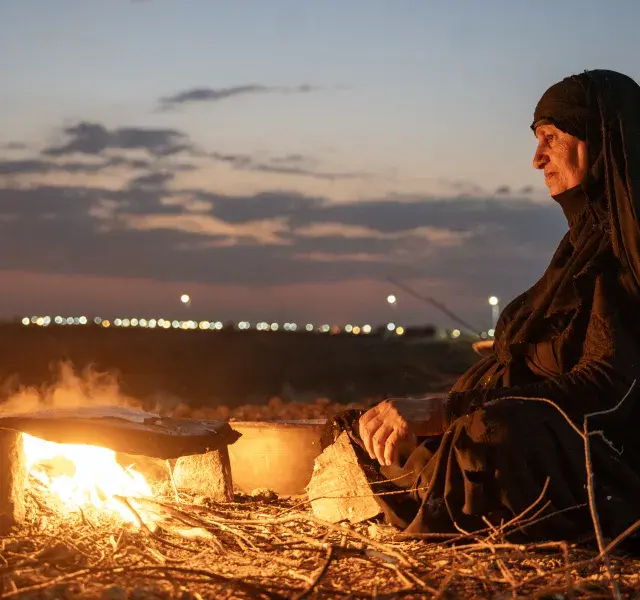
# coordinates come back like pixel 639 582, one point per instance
pixel 501 441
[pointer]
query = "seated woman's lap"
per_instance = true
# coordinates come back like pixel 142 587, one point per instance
pixel 491 464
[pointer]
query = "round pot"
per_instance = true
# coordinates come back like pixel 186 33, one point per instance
pixel 277 455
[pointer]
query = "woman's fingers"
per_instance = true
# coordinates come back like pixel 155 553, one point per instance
pixel 380 440
pixel 391 447
pixel 368 425
pixel 381 428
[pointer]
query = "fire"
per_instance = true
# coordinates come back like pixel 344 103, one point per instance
pixel 84 476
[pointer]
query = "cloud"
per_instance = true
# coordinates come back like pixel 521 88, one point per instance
pixel 329 257
pixel 209 95
pixel 18 167
pixel 90 148
pixel 275 238
pixel 257 232
pixel 42 166
pixel 289 158
pixel 14 146
pixel 288 165
pixel 156 179
pixel 434 235
pixel 60 215
pixel 94 138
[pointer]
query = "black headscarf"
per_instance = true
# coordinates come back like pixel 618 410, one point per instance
pixel 572 339
pixel 602 108
pixel 544 333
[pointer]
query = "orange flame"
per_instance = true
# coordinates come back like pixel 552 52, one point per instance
pixel 85 476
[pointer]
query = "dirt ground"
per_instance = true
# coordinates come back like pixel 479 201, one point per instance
pixel 268 547
pixel 232 368
pixel 264 546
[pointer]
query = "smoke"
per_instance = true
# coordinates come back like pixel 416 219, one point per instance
pixel 71 390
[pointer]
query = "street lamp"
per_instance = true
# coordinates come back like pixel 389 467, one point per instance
pixel 495 310
pixel 391 299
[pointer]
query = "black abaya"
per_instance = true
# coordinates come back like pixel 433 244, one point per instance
pixel 572 339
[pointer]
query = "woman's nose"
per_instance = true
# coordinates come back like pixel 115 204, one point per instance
pixel 540 159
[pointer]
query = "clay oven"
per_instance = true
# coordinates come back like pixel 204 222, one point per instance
pixel 34 446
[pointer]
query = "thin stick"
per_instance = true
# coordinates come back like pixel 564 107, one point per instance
pixel 445 583
pixel 594 512
pixel 526 510
pixel 134 512
pixel 585 434
pixel 174 487
pixel 319 574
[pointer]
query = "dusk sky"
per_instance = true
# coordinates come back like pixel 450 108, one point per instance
pixel 280 159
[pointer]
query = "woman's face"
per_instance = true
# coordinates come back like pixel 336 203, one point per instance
pixel 563 158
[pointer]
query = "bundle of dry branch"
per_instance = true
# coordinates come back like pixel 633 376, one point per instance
pixel 264 548
pixel 189 548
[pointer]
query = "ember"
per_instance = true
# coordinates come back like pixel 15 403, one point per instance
pixel 84 476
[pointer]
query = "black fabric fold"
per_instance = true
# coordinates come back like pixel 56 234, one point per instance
pixel 570 342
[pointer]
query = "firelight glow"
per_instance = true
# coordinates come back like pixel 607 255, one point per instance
pixel 83 476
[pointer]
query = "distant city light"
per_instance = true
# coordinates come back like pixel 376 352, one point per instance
pixel 455 333
pixel 206 325
pixel 185 298
pixel 391 299
pixel 493 300
pixel 491 332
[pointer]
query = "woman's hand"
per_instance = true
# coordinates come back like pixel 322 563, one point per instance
pixel 384 426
